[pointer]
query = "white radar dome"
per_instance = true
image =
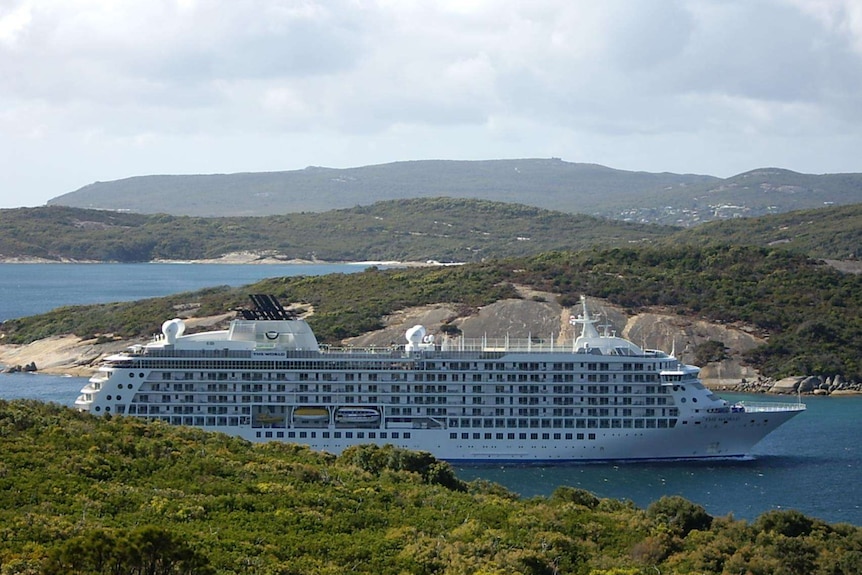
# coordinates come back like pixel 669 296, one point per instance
pixel 172 329
pixel 416 334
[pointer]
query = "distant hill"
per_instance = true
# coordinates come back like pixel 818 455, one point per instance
pixel 830 233
pixel 444 229
pixel 766 191
pixel 676 199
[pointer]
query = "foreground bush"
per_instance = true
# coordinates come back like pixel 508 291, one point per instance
pixel 80 494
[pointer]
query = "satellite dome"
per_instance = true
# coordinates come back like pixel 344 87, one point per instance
pixel 415 334
pixel 172 329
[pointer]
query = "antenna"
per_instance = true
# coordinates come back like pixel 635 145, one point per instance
pixel 586 320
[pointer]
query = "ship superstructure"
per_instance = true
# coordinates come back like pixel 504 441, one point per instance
pixel 266 378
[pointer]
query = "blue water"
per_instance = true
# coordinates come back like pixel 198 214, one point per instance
pixel 812 464
pixel 29 289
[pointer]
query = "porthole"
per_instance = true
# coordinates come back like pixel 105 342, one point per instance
pixel 130 386
pixel 107 409
pixel 694 400
pixel 119 398
pixel 98 408
pixel 682 400
pixel 109 398
pixel 131 375
pixel 141 374
pixel 119 386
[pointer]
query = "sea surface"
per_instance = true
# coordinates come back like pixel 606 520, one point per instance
pixel 812 464
pixel 29 289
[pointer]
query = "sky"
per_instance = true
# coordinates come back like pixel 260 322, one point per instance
pixel 98 90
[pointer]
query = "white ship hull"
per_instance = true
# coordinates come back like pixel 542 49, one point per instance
pixel 725 437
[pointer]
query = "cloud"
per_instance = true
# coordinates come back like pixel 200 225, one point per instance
pixel 13 21
pixel 371 80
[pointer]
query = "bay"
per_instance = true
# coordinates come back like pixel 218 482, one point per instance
pixel 812 464
pixel 30 289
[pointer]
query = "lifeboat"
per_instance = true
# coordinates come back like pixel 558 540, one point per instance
pixel 310 415
pixel 357 415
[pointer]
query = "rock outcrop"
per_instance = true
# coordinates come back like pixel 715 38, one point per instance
pixel 62 355
pixel 806 385
pixel 29 368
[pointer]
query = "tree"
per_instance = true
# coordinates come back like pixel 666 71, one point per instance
pixel 146 550
pixel 679 514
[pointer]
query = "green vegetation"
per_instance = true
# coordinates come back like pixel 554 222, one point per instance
pixel 709 351
pixel 809 311
pixel 441 229
pixel 80 494
pixel 832 233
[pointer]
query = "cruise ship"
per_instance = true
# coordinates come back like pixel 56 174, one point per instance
pixel 266 378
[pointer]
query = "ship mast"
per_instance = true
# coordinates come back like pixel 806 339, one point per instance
pixel 588 322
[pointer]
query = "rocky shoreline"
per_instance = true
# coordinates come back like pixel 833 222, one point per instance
pixel 796 385
pixel 58 355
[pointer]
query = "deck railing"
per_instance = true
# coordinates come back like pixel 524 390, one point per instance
pixel 764 407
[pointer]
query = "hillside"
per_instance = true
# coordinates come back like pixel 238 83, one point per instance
pixel 830 233
pixel 806 318
pixel 546 183
pixel 80 494
pixel 444 229
pixel 527 313
pixel 754 193
pixel 674 199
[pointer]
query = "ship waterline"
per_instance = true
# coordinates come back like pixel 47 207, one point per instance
pixel 266 378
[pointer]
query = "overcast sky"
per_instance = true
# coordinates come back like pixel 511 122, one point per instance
pixel 105 89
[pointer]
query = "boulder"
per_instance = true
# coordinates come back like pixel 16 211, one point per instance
pixel 787 385
pixel 809 384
